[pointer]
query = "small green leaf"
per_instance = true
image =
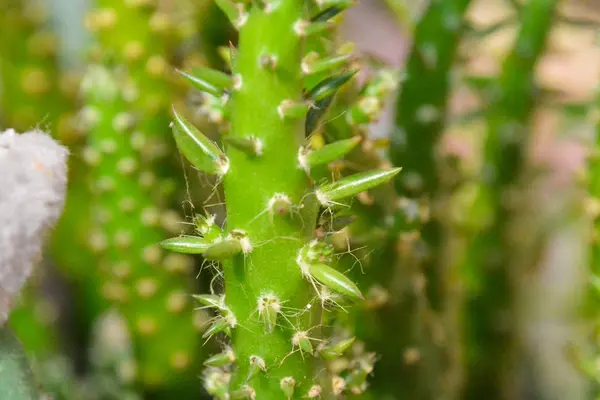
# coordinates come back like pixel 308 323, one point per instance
pixel 317 110
pixel 287 385
pixel 219 325
pixel 335 350
pixel 329 86
pixel 306 28
pixel 330 12
pixel 223 249
pixel 257 365
pixel 211 300
pixel 186 244
pixel 202 152
pixel 244 393
pixel 207 227
pixel 313 65
pixel 354 184
pixel 335 280
pixel 209 80
pixel 221 359
pixel 331 152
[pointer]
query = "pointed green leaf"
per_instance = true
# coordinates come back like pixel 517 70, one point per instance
pixel 329 86
pixel 244 393
pixel 287 385
pixel 186 244
pixel 335 350
pixel 329 13
pixel 199 150
pixel 335 280
pixel 317 110
pixel 209 80
pixel 217 326
pixel 211 300
pixel 331 152
pixel 221 359
pixel 354 184
pixel 313 65
pixel 223 249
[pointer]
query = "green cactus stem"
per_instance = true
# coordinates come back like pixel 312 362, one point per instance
pixel 127 97
pixel 276 272
pixel 420 122
pixel 34 90
pixel 490 363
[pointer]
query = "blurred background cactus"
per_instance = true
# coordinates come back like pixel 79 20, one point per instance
pixel 287 199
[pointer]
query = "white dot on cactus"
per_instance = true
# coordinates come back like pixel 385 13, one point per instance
pixel 242 16
pixel 127 165
pixel 147 179
pixel 150 216
pixel 98 241
pixel 170 221
pixel 133 50
pixel 271 6
pixel 452 21
pixel 151 254
pixel 179 360
pixel 90 116
pixel 122 122
pixel 237 82
pixel 102 215
pixel 146 325
pixel 300 27
pixel 105 184
pixel 127 204
pixel 177 263
pixel 156 65
pixel 159 22
pixel 121 270
pixel 338 384
pixel 114 291
pixel 130 92
pixel 123 239
pixel 427 114
pixel 176 302
pixel 429 54
pixel 138 140
pixel 91 156
pixel 146 287
pixel 314 391
pixel 108 146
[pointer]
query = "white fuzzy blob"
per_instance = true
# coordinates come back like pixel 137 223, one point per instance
pixel 33 183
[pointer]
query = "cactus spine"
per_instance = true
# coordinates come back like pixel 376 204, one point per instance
pixel 276 272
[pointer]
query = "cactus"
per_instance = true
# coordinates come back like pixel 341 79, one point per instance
pixel 276 272
pixel 34 89
pixel 489 365
pixel 420 121
pixel 126 92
